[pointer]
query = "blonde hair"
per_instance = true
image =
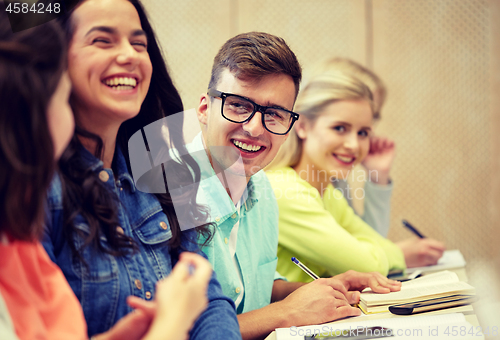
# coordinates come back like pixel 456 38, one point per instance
pixel 348 66
pixel 319 91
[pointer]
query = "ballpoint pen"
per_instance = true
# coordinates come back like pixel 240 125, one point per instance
pixel 412 229
pixel 305 269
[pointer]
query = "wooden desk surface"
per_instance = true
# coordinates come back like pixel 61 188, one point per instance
pixel 468 311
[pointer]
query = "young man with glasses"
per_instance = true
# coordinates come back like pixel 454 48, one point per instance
pixel 245 116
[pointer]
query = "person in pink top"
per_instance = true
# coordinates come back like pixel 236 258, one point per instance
pixel 36 124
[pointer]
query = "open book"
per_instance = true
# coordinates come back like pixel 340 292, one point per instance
pixel 437 285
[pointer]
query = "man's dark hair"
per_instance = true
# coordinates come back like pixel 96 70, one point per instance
pixel 255 55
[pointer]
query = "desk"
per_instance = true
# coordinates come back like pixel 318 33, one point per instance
pixel 468 311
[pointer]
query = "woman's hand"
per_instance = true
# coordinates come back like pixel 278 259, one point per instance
pixel 379 160
pixel 421 252
pixel 378 283
pixel 180 298
pixel 132 326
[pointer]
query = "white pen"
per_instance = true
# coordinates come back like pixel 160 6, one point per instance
pixel 305 269
pixel 415 274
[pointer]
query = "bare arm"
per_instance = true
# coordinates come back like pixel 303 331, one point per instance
pixel 282 288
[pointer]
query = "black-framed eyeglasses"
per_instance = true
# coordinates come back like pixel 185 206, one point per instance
pixel 238 109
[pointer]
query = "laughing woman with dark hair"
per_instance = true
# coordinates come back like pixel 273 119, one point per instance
pixel 36 125
pixel 110 239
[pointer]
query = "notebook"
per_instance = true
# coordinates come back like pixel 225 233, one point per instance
pixel 440 284
pixel 450 259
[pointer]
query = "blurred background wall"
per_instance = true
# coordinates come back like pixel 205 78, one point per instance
pixel 440 62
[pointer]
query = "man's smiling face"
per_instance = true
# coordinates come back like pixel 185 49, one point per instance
pixel 225 140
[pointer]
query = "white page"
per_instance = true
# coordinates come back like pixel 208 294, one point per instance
pixel 420 323
pixel 450 259
pixel 444 276
pixel 417 292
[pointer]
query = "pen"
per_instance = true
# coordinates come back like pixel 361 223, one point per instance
pixel 412 228
pixel 415 274
pixel 305 269
pixel 310 272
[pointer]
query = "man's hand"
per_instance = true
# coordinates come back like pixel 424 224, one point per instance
pixel 320 301
pixel 378 283
pixel 313 303
pixel 421 252
pixel 379 160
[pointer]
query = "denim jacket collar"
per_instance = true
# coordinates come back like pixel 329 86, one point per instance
pixel 119 162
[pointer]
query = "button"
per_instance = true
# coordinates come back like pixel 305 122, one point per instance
pixel 234 215
pixel 226 240
pixel 148 295
pixel 103 176
pixel 138 284
pixel 163 225
pixel 237 290
pixel 119 230
pixel 217 219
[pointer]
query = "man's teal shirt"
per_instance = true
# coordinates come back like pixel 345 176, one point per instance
pixel 257 240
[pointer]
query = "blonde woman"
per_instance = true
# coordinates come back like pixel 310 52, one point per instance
pixel 315 221
pixel 378 185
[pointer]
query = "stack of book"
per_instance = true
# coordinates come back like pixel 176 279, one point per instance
pixel 438 285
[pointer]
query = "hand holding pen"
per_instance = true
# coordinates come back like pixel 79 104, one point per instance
pixel 412 229
pixel 420 251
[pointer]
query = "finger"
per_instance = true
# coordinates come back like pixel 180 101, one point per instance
pixel 394 286
pixel 374 144
pixel 390 144
pixel 132 326
pixel 377 286
pixel 340 296
pixel 339 303
pixel 200 268
pixel 353 297
pixel 180 272
pixel 386 282
pixel 346 311
pixel 432 257
pixel 337 285
pixel 382 144
pixel 435 244
pixel 148 307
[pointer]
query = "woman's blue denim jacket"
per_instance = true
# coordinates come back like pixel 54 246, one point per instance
pixel 104 285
